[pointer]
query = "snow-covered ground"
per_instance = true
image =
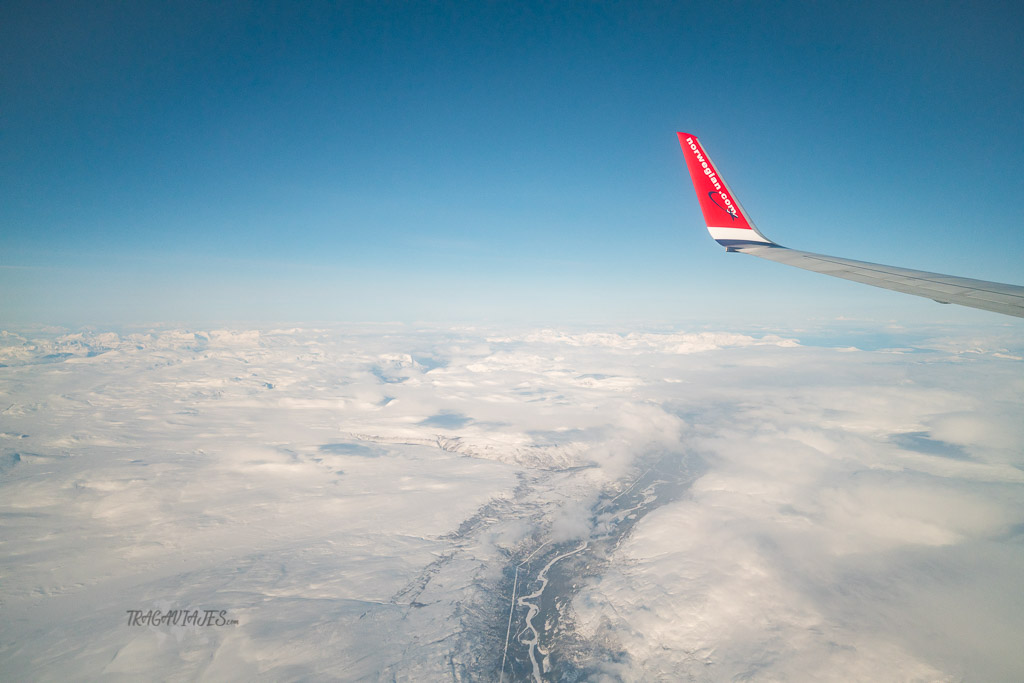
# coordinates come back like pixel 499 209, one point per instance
pixel 356 501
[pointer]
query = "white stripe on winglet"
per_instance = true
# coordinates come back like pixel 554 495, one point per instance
pixel 737 234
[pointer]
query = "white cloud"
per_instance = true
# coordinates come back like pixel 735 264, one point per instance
pixel 356 497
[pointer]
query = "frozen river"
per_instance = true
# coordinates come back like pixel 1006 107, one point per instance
pixel 541 639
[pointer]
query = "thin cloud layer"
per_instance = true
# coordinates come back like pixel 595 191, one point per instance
pixel 379 501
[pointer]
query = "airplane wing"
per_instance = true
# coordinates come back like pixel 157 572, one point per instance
pixel 731 227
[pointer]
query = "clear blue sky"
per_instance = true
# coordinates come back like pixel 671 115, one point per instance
pixel 493 162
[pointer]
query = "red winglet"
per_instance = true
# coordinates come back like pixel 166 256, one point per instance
pixel 720 208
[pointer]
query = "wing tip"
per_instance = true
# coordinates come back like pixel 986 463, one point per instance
pixel 724 216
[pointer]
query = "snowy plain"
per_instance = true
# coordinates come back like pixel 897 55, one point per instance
pixel 375 502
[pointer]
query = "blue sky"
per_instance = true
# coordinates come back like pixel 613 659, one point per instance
pixel 497 162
